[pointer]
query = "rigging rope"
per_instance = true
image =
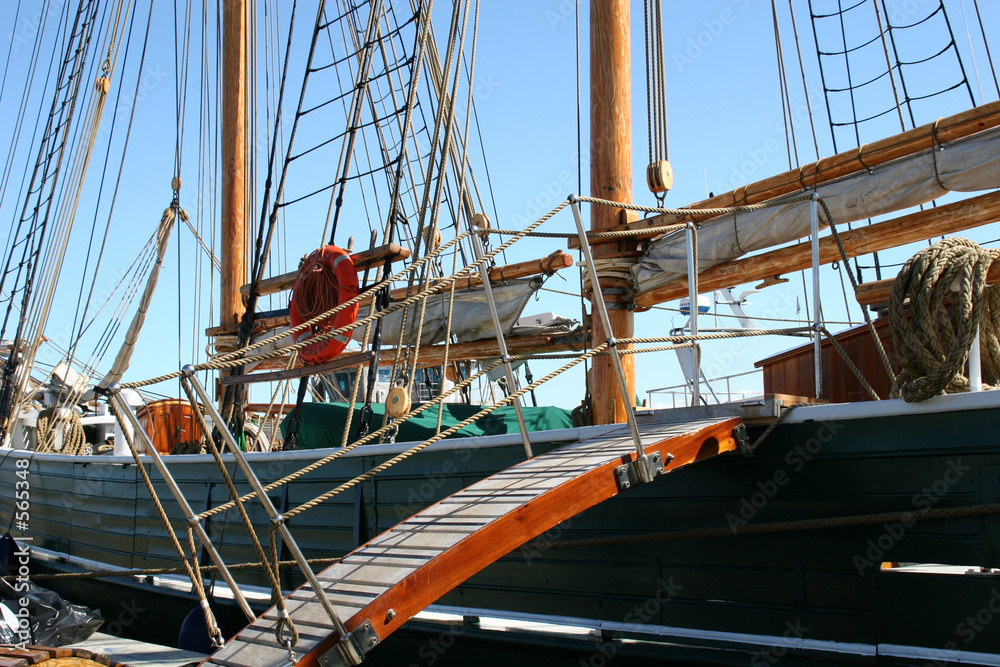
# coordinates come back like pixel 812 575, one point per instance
pixel 802 71
pixel 51 152
pixel 986 44
pixel 659 175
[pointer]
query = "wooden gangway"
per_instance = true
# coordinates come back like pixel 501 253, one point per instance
pixel 385 582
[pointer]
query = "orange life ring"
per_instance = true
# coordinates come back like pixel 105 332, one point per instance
pixel 327 278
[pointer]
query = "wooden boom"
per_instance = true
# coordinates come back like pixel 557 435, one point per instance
pixel 918 226
pixel 428 355
pixel 366 259
pixel 548 265
pixel 878 291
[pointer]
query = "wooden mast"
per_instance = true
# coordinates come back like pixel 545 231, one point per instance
pixel 610 178
pixel 234 120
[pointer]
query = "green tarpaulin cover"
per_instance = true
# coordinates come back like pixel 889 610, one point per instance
pixel 322 424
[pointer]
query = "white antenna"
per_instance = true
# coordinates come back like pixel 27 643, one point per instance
pixel 705 170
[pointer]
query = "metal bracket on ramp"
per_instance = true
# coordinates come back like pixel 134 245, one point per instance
pixel 640 471
pixel 743 440
pixel 350 650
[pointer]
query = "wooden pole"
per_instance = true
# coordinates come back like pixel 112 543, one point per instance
pixel 234 161
pixel 909 228
pixel 878 292
pixel 234 155
pixel 610 178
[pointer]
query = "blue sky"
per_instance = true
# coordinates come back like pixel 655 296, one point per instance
pixel 725 122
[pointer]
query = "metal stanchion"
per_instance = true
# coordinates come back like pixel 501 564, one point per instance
pixel 351 652
pixel 691 239
pixel 644 468
pixel 123 409
pixel 484 272
pixel 817 307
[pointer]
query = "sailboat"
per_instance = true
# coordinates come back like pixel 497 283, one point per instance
pixel 849 530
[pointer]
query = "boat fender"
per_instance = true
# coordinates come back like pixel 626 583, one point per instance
pixel 193 635
pixel 327 278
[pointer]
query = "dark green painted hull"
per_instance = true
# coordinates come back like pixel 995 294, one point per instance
pixel 823 584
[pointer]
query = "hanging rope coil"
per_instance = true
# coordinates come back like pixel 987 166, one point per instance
pixel 327 278
pixel 50 420
pixel 933 343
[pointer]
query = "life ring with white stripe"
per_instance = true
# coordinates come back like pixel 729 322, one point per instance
pixel 327 278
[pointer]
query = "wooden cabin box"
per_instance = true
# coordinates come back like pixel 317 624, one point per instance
pixel 791 372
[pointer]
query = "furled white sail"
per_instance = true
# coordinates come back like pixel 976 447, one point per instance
pixel 966 165
pixel 132 335
pixel 470 315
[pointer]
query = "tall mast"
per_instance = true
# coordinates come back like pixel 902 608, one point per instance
pixel 610 178
pixel 234 160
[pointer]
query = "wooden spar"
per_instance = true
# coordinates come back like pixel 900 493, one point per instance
pixel 366 259
pixel 918 226
pixel 611 179
pixel 548 265
pixel 234 160
pixel 948 129
pixel 878 292
pixel 430 355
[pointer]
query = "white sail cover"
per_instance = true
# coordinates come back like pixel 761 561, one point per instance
pixel 471 318
pixel 966 165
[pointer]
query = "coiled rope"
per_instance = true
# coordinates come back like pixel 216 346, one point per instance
pixel 74 440
pixel 316 289
pixel 932 343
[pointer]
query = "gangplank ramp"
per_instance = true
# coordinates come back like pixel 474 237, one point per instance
pixel 384 583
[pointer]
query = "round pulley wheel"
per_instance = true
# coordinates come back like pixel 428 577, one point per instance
pixel 660 176
pixel 480 221
pixel 397 402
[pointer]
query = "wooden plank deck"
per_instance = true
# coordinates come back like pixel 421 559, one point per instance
pixel 397 574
